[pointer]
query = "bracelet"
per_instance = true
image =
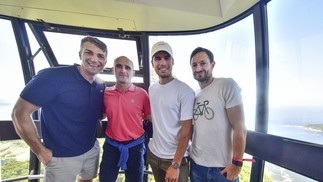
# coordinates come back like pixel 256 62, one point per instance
pixel 238 162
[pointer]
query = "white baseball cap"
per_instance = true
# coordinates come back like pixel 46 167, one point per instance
pixel 161 46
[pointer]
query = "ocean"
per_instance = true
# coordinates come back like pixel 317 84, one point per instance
pixel 290 122
pixel 298 132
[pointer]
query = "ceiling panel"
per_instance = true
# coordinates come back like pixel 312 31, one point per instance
pixel 130 15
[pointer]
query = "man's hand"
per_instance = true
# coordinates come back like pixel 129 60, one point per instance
pixel 172 174
pixel 231 171
pixel 45 156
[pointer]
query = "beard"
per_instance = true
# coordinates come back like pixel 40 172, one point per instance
pixel 202 76
pixel 164 74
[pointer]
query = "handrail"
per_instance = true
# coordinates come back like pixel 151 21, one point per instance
pixel 29 177
pixel 7 131
pixel 302 157
pixel 39 176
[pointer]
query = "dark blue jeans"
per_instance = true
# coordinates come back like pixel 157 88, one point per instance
pixel 135 165
pixel 207 174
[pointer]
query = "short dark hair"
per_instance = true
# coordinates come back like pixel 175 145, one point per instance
pixel 95 41
pixel 201 49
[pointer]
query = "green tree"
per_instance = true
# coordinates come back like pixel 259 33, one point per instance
pixel 13 169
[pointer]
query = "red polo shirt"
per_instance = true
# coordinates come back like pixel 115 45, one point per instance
pixel 125 111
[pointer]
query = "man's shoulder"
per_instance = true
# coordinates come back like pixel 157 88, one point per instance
pixel 224 79
pixel 225 82
pixel 139 91
pixel 56 70
pixel 52 73
pixel 183 85
pixel 153 86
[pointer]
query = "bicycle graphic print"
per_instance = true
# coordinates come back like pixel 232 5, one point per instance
pixel 203 109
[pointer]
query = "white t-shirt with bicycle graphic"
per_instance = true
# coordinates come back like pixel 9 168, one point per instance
pixel 212 138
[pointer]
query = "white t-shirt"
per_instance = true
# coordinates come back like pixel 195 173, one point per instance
pixel 212 136
pixel 170 104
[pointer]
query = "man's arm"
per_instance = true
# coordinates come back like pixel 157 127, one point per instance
pixel 26 129
pixel 236 118
pixel 186 132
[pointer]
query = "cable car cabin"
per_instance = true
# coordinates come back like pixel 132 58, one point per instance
pixel 273 49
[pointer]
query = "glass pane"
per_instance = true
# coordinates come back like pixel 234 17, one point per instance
pixel 40 61
pixel 11 78
pixel 234 52
pixel 66 49
pixel 296 77
pixel 14 154
pixel 276 173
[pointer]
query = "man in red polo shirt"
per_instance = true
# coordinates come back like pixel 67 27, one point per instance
pixel 125 106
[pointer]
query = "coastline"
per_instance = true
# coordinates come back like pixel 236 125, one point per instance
pixel 314 127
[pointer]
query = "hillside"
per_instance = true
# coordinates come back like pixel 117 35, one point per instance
pixel 315 127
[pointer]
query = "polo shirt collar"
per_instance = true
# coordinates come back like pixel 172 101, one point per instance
pixel 131 88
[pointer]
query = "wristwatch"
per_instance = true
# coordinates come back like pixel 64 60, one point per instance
pixel 175 165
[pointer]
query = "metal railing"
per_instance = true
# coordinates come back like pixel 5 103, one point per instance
pixel 40 176
pixel 29 177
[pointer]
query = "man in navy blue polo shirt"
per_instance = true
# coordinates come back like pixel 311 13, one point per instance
pixel 71 100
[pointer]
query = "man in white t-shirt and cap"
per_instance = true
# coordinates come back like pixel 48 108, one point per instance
pixel 171 103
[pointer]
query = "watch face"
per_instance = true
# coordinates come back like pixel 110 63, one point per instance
pixel 175 165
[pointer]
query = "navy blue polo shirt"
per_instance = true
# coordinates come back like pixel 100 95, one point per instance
pixel 70 109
